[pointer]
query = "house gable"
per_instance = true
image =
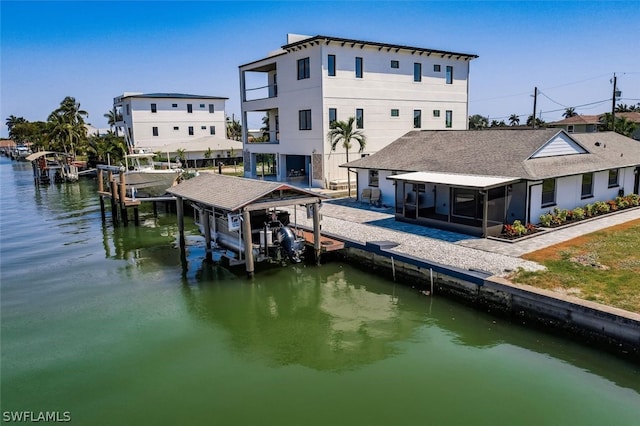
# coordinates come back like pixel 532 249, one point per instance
pixel 559 145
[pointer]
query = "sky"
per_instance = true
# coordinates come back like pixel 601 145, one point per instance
pixel 95 50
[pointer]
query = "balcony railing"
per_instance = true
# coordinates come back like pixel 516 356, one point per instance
pixel 270 138
pixel 263 92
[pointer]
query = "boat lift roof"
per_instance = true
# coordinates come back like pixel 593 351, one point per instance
pixel 36 155
pixel 235 193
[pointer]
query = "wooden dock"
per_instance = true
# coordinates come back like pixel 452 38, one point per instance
pixel 326 244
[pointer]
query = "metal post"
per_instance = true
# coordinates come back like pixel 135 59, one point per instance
pixel 316 231
pixel 248 243
pixel 180 213
pixel 207 234
pixel 613 104
pixel 485 211
pixel 114 204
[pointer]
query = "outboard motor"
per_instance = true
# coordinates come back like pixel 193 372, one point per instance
pixel 289 243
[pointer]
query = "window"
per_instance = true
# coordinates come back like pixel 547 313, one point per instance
pixel 395 64
pixel 448 119
pixel 358 67
pixel 211 109
pixel 128 112
pixel 332 65
pixel 189 108
pixel 417 119
pixel 417 72
pixel 174 105
pixel 203 127
pixel 449 75
pixel 436 113
pixel 613 177
pixel 201 105
pixel 373 178
pixel 395 113
pixel 436 68
pixel 155 131
pixel 333 115
pixel 190 130
pixel 587 185
pixel 212 130
pixel 303 68
pixel 548 192
pixel 359 118
pixel 570 128
pixel 154 108
pixel 304 119
pixel 176 128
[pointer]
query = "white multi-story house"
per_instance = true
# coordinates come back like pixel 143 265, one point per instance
pixel 153 120
pixel 314 80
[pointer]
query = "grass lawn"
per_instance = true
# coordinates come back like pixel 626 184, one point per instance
pixel 602 267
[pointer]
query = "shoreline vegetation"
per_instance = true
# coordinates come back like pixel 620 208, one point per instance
pixel 602 267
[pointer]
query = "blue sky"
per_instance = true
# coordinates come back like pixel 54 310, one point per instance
pixel 94 50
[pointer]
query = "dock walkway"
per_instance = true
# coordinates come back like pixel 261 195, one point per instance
pixel 359 222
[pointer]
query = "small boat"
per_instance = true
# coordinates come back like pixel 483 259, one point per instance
pixel 22 152
pixel 143 179
pixel 53 166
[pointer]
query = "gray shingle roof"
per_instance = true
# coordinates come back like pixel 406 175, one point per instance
pixel 233 193
pixel 500 153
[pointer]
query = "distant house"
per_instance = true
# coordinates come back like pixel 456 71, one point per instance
pixel 312 81
pixel 149 121
pixel 578 124
pixel 477 181
pixel 593 123
pixel 205 151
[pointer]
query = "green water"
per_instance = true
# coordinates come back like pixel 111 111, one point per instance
pixel 113 327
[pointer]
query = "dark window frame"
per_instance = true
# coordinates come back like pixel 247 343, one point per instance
pixel 304 119
pixel 395 64
pixel 154 108
pixel 614 178
pixel 586 185
pixel 374 178
pixel 190 108
pixel 448 119
pixel 449 75
pixel 333 112
pixel 417 119
pixel 436 68
pixel 304 70
pixel 331 65
pixel 417 72
pixel 359 118
pixel 212 108
pixel 154 131
pixel 548 194
pixel 190 130
pixel 395 112
pixel 212 130
pixel 359 67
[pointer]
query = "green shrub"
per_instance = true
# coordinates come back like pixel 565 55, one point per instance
pixel 578 213
pixel 601 207
pixel 589 210
pixel 546 220
pixel 633 200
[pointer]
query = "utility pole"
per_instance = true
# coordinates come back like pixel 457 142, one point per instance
pixel 535 100
pixel 613 104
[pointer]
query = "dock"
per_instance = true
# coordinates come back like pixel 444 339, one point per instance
pixel 327 244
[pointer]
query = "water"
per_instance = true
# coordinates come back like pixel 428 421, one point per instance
pixel 111 326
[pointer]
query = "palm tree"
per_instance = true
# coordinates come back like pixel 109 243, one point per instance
pixel 68 124
pixel 208 154
pixel 112 118
pixel 341 131
pixel 514 120
pixel 11 122
pixel 234 130
pixel 569 112
pixel 539 122
pixel 265 128
pixel 107 146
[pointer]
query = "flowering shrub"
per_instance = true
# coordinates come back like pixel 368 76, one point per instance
pixel 517 229
pixel 558 216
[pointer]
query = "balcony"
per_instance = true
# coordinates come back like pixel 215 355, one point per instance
pixel 267 138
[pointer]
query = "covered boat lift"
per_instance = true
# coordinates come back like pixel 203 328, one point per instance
pixel 237 198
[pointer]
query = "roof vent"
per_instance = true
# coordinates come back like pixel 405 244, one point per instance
pixel 597 143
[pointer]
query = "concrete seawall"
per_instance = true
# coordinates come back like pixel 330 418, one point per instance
pixel 613 329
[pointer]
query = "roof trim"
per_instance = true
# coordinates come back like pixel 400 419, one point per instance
pixel 457 180
pixel 171 96
pixel 421 50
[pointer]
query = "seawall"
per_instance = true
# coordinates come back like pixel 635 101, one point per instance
pixel 612 329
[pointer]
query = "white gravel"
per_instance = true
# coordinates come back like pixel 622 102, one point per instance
pixel 346 222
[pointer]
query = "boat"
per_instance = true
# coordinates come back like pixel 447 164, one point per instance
pixel 53 166
pixel 277 241
pixel 21 153
pixel 144 179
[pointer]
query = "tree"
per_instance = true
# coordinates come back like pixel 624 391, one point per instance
pixel 265 128
pixel 181 155
pixel 569 112
pixel 112 118
pixel 343 132
pixel 514 120
pixel 623 125
pixel 478 122
pixel 101 148
pixel 234 130
pixel 11 122
pixel 208 154
pixel 539 122
pixel 68 126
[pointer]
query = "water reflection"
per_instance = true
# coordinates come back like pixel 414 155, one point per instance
pixel 323 318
